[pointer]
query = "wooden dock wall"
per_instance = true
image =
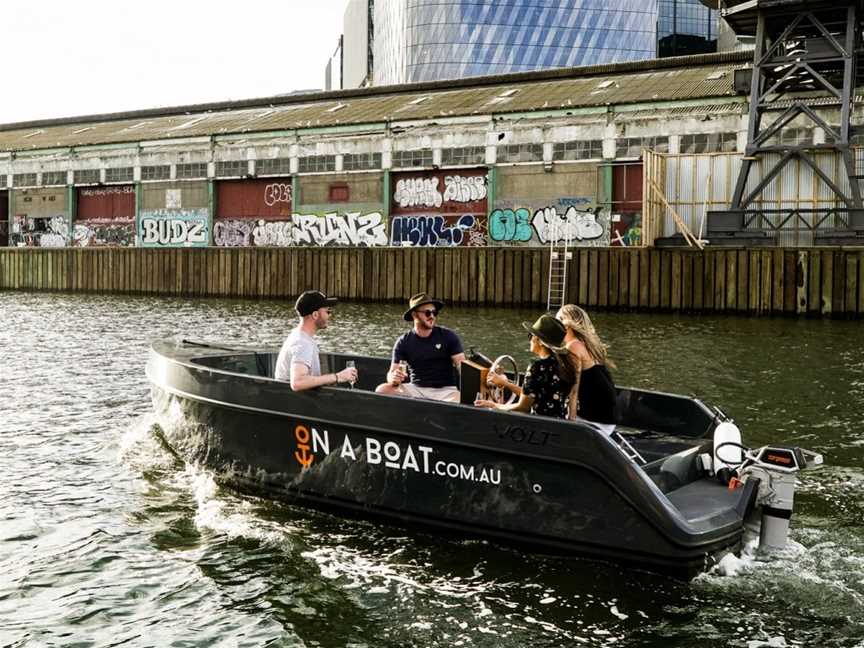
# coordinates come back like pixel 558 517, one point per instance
pixel 812 281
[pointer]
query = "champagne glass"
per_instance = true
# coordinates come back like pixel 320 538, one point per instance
pixel 350 365
pixel 403 367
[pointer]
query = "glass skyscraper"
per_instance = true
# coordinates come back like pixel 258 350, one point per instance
pixel 428 40
pixel 686 27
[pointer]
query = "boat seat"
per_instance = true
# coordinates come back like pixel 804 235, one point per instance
pixel 703 499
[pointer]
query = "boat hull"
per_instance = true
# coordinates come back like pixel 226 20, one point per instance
pixel 516 478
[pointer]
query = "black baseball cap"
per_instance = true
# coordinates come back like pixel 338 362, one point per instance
pixel 312 300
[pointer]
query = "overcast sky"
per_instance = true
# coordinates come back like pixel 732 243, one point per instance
pixel 92 56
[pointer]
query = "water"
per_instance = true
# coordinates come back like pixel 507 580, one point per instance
pixel 107 540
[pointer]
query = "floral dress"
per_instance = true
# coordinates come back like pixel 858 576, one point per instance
pixel 544 384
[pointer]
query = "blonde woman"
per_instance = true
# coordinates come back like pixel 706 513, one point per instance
pixel 593 394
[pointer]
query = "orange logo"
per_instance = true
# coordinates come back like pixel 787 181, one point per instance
pixel 303 454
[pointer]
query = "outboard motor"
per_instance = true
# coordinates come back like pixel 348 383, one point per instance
pixel 776 467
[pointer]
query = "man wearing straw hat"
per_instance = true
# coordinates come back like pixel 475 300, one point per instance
pixel 427 354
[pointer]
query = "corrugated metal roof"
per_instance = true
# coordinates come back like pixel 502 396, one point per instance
pixel 693 78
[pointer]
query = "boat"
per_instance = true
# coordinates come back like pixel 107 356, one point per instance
pixel 658 494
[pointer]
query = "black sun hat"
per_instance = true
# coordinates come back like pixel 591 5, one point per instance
pixel 549 330
pixel 418 300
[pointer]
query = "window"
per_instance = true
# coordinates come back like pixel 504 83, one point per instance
pixel 793 137
pixel 53 178
pixel 361 161
pixel 578 150
pixel 632 146
pixel 192 170
pixel 87 176
pixel 418 158
pixel 709 143
pixel 463 156
pixel 4 179
pixel 339 192
pixel 119 174
pixel 317 163
pixel 24 179
pixel 520 153
pixel 156 172
pixel 232 168
pixel 274 166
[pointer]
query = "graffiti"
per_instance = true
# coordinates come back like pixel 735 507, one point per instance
pixel 414 192
pixel 510 225
pixel 409 231
pixel 35 231
pixel 277 193
pixel 232 233
pixel 352 228
pixel 108 191
pixel 626 230
pixel 464 189
pixel 99 234
pixel 566 219
pixel 424 192
pixel 276 233
pixel 573 224
pixel 174 228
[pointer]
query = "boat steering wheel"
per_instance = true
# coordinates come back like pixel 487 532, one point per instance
pixel 499 394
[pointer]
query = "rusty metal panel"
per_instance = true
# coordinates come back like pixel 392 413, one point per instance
pixel 626 219
pixel 268 199
pixel 106 203
pixel 439 208
pixel 105 217
pixel 4 219
pixel 175 195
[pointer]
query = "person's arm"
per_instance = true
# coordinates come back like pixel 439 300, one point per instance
pixel 458 359
pixel 302 380
pixel 500 380
pixel 522 405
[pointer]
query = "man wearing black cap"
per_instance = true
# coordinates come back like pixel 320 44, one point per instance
pixel 430 352
pixel 298 361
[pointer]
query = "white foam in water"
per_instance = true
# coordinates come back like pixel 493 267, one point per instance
pixel 229 515
pixel 139 447
pixel 773 642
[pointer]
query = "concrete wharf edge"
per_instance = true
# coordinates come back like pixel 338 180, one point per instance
pixel 821 282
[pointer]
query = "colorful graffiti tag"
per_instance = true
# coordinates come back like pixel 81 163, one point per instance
pixel 91 234
pixel 174 228
pixel 439 209
pixel 329 229
pixel 48 231
pixel 573 219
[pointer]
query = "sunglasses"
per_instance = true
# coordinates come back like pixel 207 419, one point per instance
pixel 429 312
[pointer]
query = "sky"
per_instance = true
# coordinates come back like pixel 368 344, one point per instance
pixel 97 56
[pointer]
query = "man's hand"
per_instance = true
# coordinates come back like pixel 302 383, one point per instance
pixel 347 375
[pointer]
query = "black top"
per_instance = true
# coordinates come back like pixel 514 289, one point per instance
pixel 597 395
pixel 544 384
pixel 429 359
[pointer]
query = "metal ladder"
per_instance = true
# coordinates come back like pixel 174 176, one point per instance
pixel 558 257
pixel 631 452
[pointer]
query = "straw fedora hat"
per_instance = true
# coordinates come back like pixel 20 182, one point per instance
pixel 418 300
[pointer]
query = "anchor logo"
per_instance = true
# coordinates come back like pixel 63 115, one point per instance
pixel 303 454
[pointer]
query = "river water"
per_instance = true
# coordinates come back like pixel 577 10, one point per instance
pixel 106 540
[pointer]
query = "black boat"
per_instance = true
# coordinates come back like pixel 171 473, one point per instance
pixel 654 494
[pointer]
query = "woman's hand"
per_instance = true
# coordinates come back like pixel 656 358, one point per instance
pixel 499 380
pixel 488 404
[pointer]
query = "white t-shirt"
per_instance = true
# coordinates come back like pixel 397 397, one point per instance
pixel 300 347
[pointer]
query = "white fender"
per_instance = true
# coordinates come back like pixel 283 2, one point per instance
pixel 730 456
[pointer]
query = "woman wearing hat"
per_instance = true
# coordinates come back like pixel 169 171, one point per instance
pixel 594 396
pixel 548 380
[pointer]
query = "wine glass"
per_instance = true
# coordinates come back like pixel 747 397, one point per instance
pixel 350 365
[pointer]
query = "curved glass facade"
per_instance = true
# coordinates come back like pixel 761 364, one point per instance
pixel 428 40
